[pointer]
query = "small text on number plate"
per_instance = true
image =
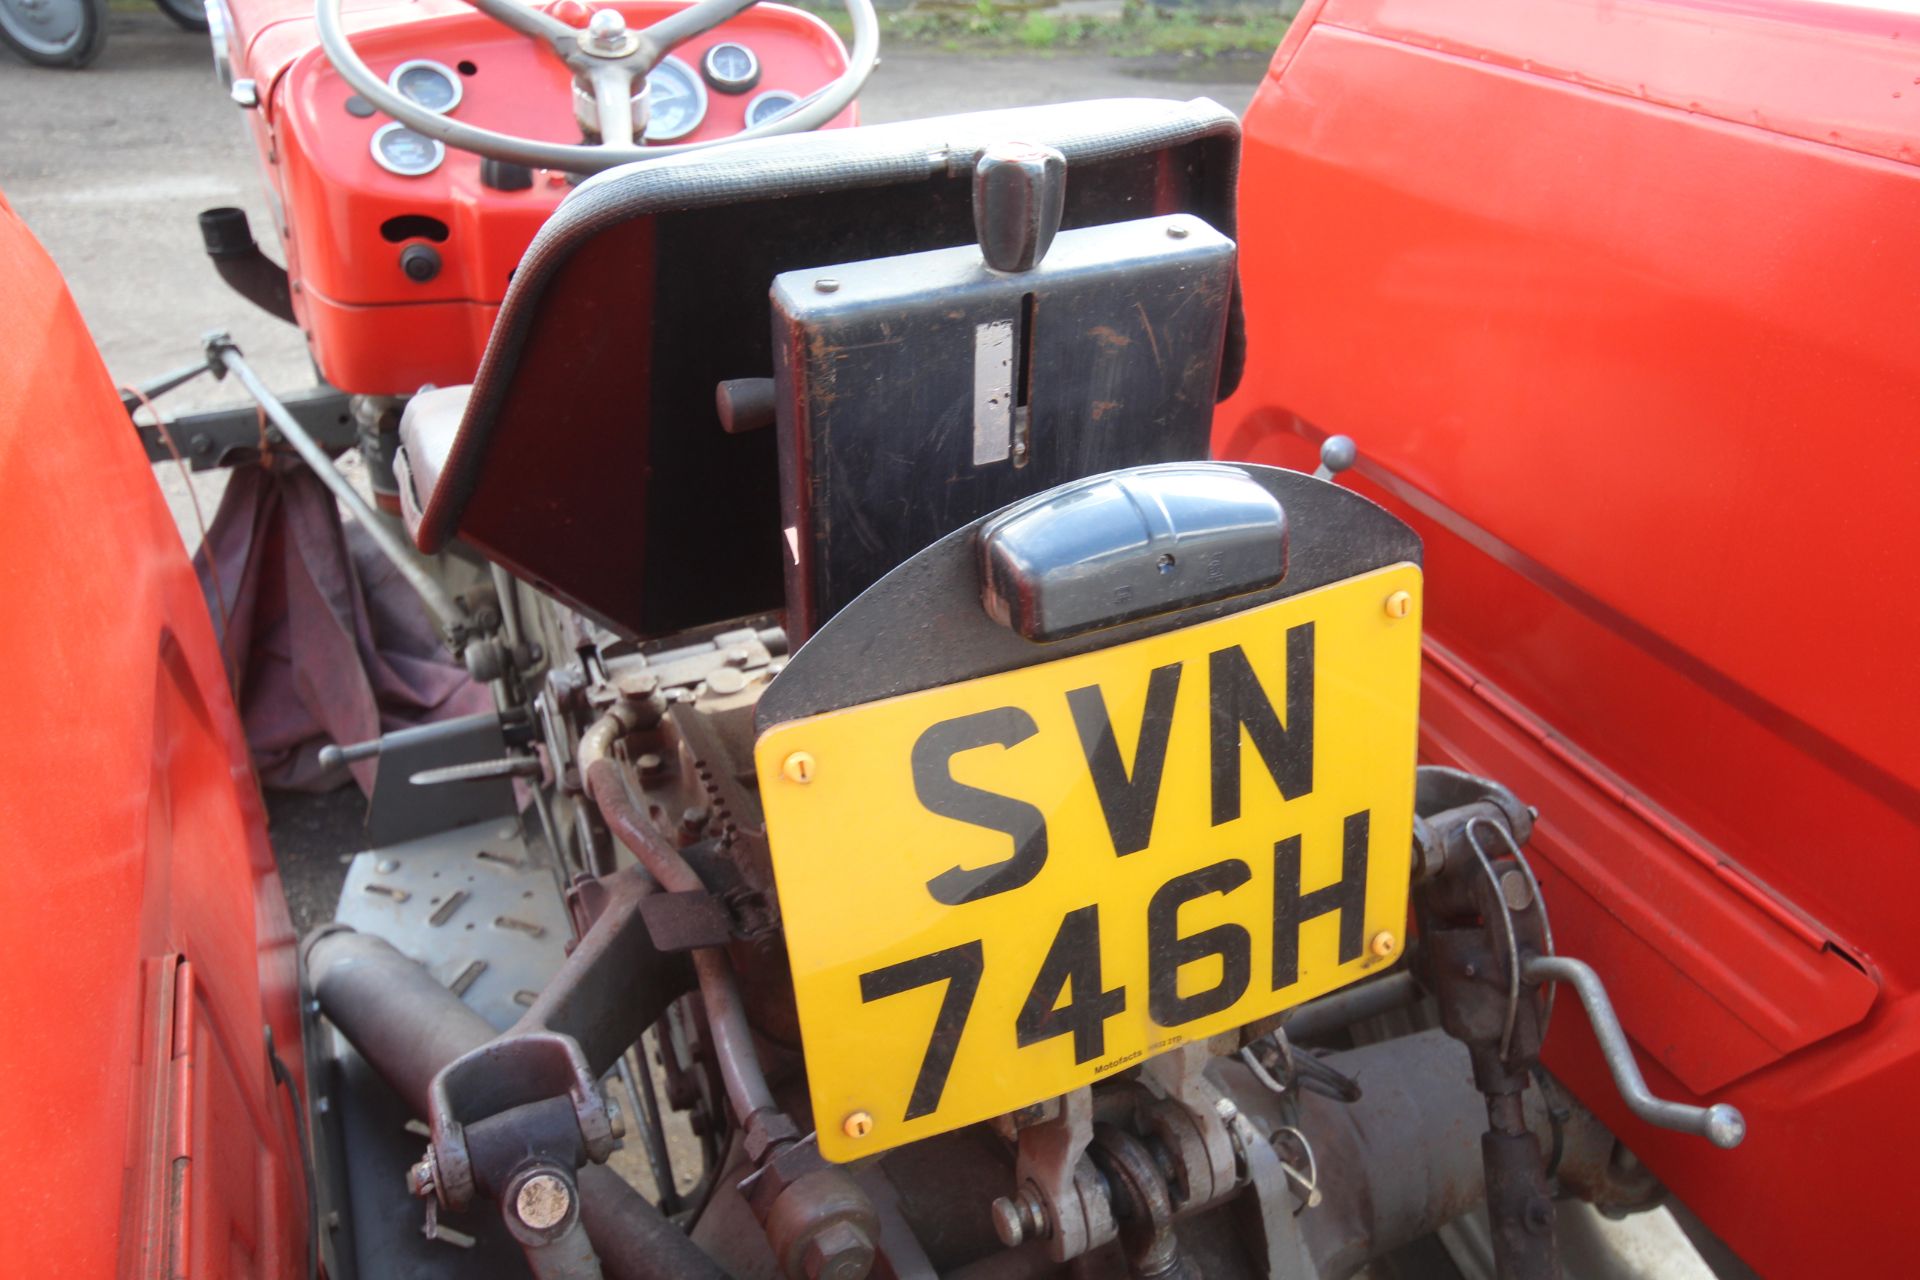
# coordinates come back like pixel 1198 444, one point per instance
pixel 1000 890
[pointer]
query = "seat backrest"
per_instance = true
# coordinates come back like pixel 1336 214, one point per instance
pixel 589 457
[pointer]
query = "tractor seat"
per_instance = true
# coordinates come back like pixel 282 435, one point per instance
pixel 589 456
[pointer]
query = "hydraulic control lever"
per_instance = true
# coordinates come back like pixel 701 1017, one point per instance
pixel 1486 953
pixel 1721 1124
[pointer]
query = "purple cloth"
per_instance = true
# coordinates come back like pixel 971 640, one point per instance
pixel 325 641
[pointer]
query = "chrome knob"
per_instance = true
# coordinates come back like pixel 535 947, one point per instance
pixel 607 30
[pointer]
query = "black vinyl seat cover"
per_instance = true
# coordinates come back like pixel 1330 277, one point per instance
pixel 589 458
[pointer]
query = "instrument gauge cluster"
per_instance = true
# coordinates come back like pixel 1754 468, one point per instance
pixel 770 106
pixel 676 98
pixel 676 101
pixel 426 83
pixel 404 151
pixel 731 67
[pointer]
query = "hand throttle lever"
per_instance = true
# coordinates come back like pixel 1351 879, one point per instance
pixel 1721 1124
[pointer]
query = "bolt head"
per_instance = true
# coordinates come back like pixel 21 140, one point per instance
pixel 543 1201
pixel 607 24
pixel 1384 944
pixel 422 1176
pixel 1006 1222
pixel 858 1124
pixel 827 285
pixel 798 767
pixel 1515 889
pixel 1399 604
pixel 838 1251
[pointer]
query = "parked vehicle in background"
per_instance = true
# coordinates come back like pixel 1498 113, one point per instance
pixel 55 33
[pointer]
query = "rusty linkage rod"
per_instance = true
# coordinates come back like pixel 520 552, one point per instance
pixel 819 1221
pixel 746 1082
pixel 223 357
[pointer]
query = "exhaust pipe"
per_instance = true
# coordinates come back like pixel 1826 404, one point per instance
pixel 247 271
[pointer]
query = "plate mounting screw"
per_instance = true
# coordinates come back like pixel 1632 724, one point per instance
pixel 1399 604
pixel 858 1124
pixel 827 284
pixel 799 768
pixel 1384 944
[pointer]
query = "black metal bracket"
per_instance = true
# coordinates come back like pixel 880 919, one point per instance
pixel 219 438
pixel 1479 914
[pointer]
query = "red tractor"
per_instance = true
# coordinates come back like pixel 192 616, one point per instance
pixel 1095 690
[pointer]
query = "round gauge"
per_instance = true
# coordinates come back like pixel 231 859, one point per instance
pixel 401 150
pixel 770 106
pixel 676 101
pixel 731 68
pixel 426 83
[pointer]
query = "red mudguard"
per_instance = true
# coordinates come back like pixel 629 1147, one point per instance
pixel 1615 298
pixel 148 946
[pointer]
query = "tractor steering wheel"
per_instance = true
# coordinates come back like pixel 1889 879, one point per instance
pixel 606 59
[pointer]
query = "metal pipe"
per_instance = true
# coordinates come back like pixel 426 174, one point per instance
pixel 398 1015
pixel 408 1026
pixel 740 1068
pixel 1720 1124
pixel 633 1239
pixel 452 618
pixel 504 587
pixel 228 239
pixel 1343 1008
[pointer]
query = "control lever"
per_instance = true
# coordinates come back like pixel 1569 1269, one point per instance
pixel 1019 195
pixel 1721 1124
pixel 1337 453
pixel 1486 954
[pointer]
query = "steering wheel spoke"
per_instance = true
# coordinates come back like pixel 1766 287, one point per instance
pixel 678 28
pixel 613 101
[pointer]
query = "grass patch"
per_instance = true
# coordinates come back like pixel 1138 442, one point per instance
pixel 1140 31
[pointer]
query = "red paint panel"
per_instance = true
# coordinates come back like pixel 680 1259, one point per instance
pixel 143 1131
pixel 1711 974
pixel 1614 298
pixel 1828 73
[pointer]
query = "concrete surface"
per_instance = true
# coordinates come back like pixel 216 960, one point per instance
pixel 109 166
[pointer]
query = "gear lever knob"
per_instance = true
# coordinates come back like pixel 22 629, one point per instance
pixel 1019 193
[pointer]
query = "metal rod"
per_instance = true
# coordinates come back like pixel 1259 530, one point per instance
pixel 1720 1124
pixel 719 990
pixel 445 608
pixel 164 383
pixel 638 1078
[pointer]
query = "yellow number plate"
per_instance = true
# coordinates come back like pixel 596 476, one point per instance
pixel 997 891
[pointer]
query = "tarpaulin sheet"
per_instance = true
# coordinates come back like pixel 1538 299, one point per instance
pixel 324 640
